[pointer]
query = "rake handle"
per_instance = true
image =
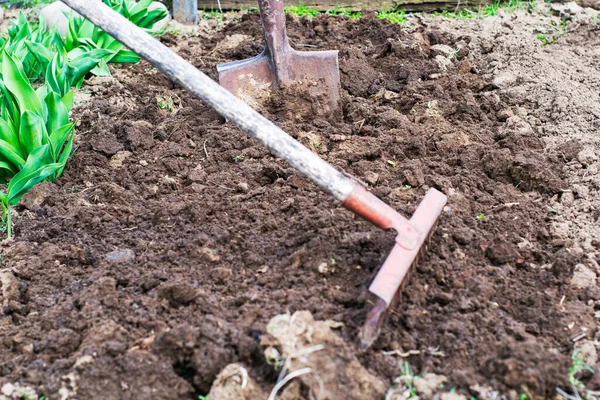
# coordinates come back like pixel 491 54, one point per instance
pixel 217 97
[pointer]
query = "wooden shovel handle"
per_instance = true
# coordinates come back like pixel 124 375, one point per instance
pixel 278 49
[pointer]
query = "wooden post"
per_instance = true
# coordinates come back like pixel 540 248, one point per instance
pixel 185 11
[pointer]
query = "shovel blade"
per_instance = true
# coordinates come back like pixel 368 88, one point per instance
pixel 307 84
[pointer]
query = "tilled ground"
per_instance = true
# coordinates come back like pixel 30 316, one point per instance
pixel 172 239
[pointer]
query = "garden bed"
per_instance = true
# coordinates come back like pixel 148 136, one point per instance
pixel 170 225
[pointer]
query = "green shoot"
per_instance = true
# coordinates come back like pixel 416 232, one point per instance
pixel 480 217
pixel 166 104
pixel 211 14
pixel 408 378
pixel 302 10
pixel 346 13
pixel 237 159
pixel 392 163
pixel 395 17
pixel 577 366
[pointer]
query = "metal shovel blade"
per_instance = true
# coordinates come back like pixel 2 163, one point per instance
pixel 300 82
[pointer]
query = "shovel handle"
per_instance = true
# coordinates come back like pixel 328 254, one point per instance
pixel 220 99
pixel 272 17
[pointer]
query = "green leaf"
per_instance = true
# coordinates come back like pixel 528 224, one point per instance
pixel 101 69
pixel 52 76
pixel 41 53
pixel 126 56
pixel 37 160
pixel 9 169
pixel 68 100
pixel 8 134
pixel 59 137
pixel 11 154
pixel 58 115
pixel 32 132
pixel 65 154
pixel 23 183
pixel 19 86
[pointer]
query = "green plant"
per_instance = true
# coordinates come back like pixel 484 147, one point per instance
pixel 21 33
pixel 407 378
pixel 166 104
pixel 212 14
pixel 392 163
pixel 523 396
pixel 36 136
pixel 577 366
pixel 301 10
pixel 546 40
pixel 395 17
pixel 346 13
pixel 480 217
pixel 237 159
pixel 83 36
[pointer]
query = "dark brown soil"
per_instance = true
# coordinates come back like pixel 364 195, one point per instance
pixel 201 236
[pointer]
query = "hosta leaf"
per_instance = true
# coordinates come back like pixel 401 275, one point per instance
pixel 19 86
pixel 32 132
pixel 58 115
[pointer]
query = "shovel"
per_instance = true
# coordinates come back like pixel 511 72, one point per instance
pixel 411 234
pixel 305 83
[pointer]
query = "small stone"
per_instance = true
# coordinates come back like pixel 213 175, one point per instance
pixel 504 80
pixel 587 352
pixel 8 389
pixel 443 62
pixel 567 198
pixel 243 187
pixel 118 159
pixel 82 361
pixel 442 49
pixel 323 268
pixel 587 156
pixel 210 254
pixel 504 114
pixel 428 384
pixel 197 174
pixel 120 256
pixel 583 277
pixel 581 191
pixel 371 178
pixel 463 236
pixel 143 163
pixel 452 396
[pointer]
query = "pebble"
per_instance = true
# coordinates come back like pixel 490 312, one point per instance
pixel 371 178
pixel 118 159
pixel 583 277
pixel 120 256
pixel 587 156
pixel 567 198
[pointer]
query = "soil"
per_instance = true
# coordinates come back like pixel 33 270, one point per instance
pixel 172 239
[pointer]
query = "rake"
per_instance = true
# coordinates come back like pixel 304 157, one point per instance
pixel 411 234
